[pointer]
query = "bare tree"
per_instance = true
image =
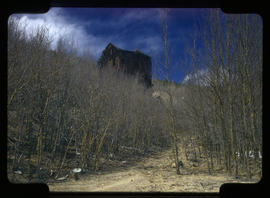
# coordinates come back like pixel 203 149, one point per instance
pixel 221 80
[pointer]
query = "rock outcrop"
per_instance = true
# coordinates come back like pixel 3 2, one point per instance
pixel 129 62
pixel 164 97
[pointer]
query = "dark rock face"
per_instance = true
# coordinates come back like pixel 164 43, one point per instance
pixel 133 63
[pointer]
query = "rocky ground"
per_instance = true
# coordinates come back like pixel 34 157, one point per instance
pixel 151 174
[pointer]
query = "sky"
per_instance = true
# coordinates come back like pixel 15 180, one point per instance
pixel 92 29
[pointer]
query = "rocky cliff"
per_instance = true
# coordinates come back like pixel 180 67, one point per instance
pixel 129 62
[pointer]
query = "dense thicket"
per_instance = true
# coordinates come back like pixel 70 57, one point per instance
pixel 63 112
pixel 224 92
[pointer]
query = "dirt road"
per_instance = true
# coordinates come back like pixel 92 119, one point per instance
pixel 152 174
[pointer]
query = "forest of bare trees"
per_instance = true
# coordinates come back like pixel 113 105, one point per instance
pixel 224 93
pixel 63 113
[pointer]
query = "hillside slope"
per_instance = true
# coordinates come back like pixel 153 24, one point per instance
pixel 151 174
